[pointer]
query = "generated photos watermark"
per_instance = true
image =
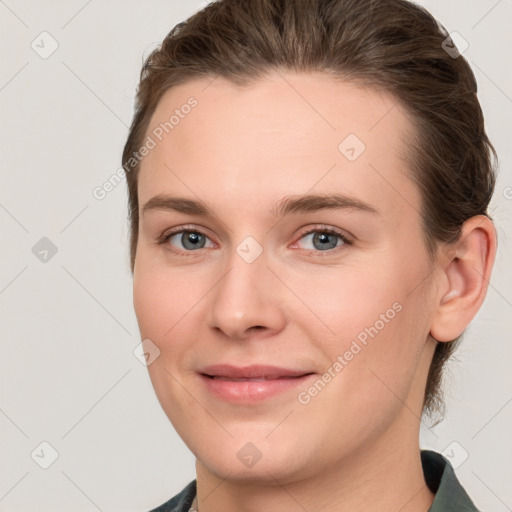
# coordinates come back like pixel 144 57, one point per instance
pixel 357 345
pixel 157 135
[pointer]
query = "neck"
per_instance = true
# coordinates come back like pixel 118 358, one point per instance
pixel 385 476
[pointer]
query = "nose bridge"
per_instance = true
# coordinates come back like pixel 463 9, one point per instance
pixel 246 295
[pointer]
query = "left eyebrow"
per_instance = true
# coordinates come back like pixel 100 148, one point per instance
pixel 316 202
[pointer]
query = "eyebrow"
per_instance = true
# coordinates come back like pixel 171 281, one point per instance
pixel 286 206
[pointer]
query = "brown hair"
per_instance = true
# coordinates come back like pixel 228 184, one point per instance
pixel 391 45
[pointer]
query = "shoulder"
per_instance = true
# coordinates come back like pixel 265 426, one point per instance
pixel 442 481
pixel 181 502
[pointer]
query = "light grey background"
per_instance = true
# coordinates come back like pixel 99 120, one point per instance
pixel 68 373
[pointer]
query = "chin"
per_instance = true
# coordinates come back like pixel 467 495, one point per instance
pixel 265 471
pixel 247 458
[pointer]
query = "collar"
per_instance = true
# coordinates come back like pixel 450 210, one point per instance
pixel 441 480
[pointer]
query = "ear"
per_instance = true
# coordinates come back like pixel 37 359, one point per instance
pixel 465 267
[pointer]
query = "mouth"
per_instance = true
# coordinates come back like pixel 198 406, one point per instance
pixel 251 384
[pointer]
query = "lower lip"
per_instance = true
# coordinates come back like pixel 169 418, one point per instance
pixel 252 391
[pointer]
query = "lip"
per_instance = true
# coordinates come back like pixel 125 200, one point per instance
pixel 251 383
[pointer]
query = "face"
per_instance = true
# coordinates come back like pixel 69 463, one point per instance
pixel 286 234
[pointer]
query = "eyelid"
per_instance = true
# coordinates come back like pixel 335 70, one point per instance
pixel 325 228
pixel 186 227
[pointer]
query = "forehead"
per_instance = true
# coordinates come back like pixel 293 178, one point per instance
pixel 285 134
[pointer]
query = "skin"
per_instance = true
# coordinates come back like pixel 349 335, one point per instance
pixel 355 445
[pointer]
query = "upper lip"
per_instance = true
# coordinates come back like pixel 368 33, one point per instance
pixel 251 372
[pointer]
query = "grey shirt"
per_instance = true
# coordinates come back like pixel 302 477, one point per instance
pixel 439 476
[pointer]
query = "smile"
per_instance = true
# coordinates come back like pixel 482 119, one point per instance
pixel 247 390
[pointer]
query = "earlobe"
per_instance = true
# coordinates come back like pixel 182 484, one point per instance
pixel 465 278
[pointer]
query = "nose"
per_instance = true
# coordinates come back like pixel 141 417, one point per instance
pixel 247 301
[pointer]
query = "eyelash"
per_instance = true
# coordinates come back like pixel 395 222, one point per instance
pixel 317 229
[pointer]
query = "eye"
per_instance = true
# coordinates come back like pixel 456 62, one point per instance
pixel 323 239
pixel 186 240
pixel 319 239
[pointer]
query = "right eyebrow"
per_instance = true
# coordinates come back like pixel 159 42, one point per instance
pixel 177 204
pixel 317 202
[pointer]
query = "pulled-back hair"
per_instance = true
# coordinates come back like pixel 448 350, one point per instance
pixel 391 45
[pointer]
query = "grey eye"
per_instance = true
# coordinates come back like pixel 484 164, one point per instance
pixel 189 240
pixel 322 240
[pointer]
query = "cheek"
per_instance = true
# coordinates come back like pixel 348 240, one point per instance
pixel 170 308
pixel 164 306
pixel 151 304
pixel 369 318
pixel 161 301
pixel 345 301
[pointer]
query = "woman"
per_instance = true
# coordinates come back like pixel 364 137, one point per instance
pixel 309 183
